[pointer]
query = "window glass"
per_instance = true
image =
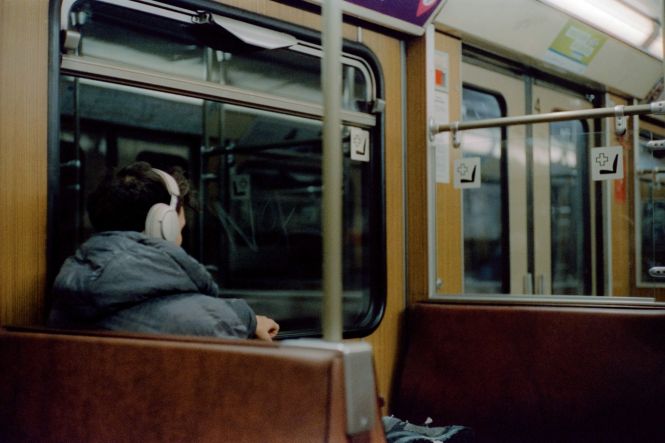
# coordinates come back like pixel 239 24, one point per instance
pixel 484 250
pixel 571 274
pixel 258 176
pixel 108 33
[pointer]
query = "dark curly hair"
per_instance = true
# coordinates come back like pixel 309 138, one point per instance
pixel 124 197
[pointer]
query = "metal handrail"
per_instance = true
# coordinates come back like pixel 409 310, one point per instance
pixel 614 111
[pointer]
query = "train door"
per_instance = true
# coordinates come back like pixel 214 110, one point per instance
pixel 528 228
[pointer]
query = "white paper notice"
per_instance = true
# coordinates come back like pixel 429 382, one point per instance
pixel 441 115
pixel 442 153
pixel 441 109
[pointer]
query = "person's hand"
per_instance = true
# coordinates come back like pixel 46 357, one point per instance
pixel 266 328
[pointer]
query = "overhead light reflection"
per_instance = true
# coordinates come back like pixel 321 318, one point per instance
pixel 656 47
pixel 615 18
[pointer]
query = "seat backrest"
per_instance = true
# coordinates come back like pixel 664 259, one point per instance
pixel 518 373
pixel 57 387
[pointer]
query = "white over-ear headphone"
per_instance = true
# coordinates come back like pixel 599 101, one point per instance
pixel 162 220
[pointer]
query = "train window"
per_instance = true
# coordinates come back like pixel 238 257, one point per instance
pixel 570 208
pixel 153 82
pixel 485 252
pixel 650 209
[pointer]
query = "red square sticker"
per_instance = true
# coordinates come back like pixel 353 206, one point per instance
pixel 439 77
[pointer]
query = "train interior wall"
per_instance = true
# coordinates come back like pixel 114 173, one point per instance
pixel 23 178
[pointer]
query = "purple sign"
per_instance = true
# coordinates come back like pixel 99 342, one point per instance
pixel 417 12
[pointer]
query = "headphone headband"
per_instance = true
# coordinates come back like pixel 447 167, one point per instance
pixel 162 220
pixel 170 184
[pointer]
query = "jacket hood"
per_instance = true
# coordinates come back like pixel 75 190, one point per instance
pixel 118 269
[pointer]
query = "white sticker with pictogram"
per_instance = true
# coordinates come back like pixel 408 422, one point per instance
pixel 241 187
pixel 359 144
pixel 607 163
pixel 467 173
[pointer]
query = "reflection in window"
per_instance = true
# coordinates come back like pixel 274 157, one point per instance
pixel 651 182
pixel 259 184
pixel 485 252
pixel 571 272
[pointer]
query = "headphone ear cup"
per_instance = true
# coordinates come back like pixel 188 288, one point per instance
pixel 162 222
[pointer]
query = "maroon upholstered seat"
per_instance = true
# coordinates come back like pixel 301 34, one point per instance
pixel 64 387
pixel 529 373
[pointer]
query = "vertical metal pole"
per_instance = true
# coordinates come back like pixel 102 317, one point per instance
pixel 331 74
pixel 607 192
pixel 662 34
pixel 531 270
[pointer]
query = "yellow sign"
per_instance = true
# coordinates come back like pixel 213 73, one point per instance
pixel 578 42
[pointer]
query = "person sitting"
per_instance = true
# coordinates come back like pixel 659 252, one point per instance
pixel 132 274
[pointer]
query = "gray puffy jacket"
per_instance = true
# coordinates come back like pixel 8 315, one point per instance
pixel 124 280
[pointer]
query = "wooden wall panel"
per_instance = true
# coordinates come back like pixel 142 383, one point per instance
pixel 385 339
pixel 277 10
pixel 416 167
pixel 622 215
pixel 448 199
pixel 624 267
pixel 449 233
pixel 23 155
